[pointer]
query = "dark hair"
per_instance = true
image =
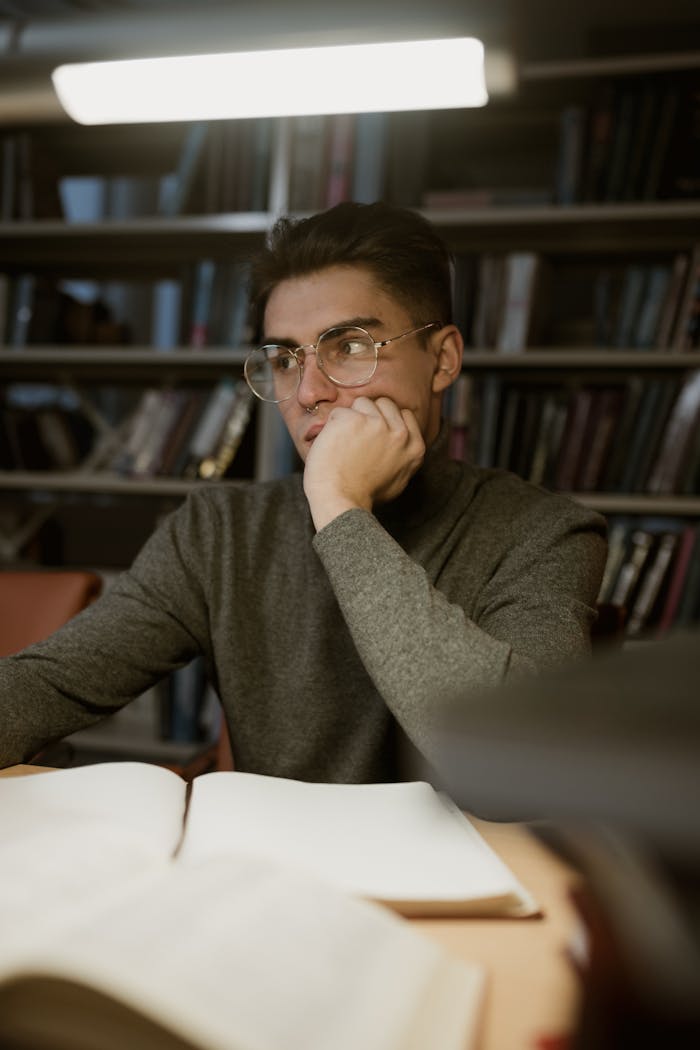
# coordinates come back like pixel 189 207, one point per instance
pixel 398 246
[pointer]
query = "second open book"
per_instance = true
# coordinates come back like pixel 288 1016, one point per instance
pixel 220 918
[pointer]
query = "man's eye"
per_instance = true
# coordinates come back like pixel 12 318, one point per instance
pixel 281 362
pixel 349 347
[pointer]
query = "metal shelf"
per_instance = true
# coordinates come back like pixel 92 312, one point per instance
pixel 621 229
pixel 109 363
pixel 621 503
pixel 106 483
pixel 165 244
pixel 99 482
pixel 579 359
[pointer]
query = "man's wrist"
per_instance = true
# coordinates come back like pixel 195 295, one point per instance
pixel 326 509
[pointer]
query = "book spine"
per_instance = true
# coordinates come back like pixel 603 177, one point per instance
pixel 602 426
pixel 649 313
pixel 686 543
pixel 631 570
pixel 165 324
pixel 175 191
pixel 518 296
pixel 688 610
pixel 489 403
pixel 630 305
pixel 681 425
pixel 572 131
pixel 187 686
pixel 201 306
pixel 369 169
pixel 137 431
pixel 680 340
pixel 307 174
pixel 459 416
pixel 618 535
pixel 216 465
pixel 651 584
pixel 572 443
pixel 210 425
pixel 340 157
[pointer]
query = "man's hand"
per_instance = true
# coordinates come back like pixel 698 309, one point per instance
pixel 365 454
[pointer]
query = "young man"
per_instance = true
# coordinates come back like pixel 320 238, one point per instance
pixel 334 609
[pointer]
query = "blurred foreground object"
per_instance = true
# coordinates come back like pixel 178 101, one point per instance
pixel 603 760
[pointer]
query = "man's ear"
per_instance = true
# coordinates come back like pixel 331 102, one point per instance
pixel 448 358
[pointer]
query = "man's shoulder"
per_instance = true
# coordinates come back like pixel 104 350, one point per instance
pixel 230 499
pixel 493 486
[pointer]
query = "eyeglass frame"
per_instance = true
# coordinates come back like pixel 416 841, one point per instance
pixel 295 351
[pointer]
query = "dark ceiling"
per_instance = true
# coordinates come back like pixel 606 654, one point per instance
pixel 36 35
pixel 537 28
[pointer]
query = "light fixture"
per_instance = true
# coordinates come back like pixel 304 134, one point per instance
pixel 353 78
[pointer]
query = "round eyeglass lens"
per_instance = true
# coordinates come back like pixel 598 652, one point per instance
pixel 348 355
pixel 272 373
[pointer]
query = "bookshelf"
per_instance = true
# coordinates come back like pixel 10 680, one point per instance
pixel 575 237
pixel 489 181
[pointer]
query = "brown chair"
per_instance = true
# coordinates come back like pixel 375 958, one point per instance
pixel 35 603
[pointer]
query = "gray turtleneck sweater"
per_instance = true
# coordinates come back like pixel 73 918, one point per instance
pixel 324 648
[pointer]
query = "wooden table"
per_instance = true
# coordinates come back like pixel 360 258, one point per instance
pixel 532 990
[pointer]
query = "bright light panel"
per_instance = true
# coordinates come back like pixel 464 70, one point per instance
pixel 354 78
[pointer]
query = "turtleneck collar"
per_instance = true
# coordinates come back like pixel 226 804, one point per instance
pixel 427 491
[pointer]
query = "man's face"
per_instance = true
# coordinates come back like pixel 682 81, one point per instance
pixel 300 309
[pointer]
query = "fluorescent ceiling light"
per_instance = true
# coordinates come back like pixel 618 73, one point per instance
pixel 354 78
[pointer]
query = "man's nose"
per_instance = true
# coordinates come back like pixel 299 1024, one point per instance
pixel 315 385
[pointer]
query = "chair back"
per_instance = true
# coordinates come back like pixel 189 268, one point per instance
pixel 35 603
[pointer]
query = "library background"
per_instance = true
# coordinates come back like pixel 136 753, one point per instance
pixel 572 206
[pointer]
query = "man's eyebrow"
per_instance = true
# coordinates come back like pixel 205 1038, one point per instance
pixel 348 322
pixel 359 322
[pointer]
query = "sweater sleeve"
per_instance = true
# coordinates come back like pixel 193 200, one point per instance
pixel 532 608
pixel 151 620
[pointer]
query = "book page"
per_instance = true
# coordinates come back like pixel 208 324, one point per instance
pixel 240 952
pixel 145 800
pixel 400 843
pixel 71 838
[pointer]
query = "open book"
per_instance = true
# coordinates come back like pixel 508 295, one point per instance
pixel 217 922
pixel 402 844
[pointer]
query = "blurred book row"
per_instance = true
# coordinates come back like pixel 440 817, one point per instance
pixel 222 166
pixel 635 139
pixel 633 436
pixel 207 305
pixel 169 432
pixel 503 302
pixel 510 301
pixel 653 572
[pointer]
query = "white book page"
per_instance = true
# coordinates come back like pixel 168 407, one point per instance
pixel 239 952
pixel 145 801
pixel 402 844
pixel 72 838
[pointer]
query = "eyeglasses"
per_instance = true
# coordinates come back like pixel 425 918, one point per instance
pixel 347 356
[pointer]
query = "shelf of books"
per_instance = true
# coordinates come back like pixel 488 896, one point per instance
pixel 573 211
